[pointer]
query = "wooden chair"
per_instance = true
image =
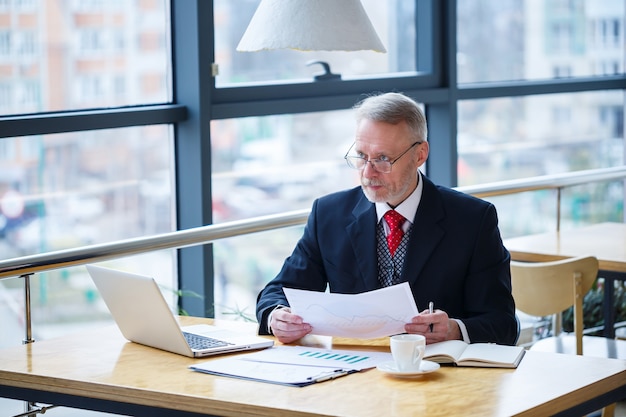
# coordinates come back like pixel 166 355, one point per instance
pixel 547 289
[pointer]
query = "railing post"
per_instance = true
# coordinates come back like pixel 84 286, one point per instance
pixel 29 333
pixel 558 208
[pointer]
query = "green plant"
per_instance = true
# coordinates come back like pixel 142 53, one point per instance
pixel 236 312
pixel 240 314
pixel 182 293
pixel 593 306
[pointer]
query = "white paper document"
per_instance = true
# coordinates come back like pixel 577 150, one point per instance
pixel 354 360
pixel 367 315
pixel 293 365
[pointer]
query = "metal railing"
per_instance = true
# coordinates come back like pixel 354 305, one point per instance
pixel 26 266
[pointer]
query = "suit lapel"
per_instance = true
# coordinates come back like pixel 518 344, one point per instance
pixel 363 238
pixel 426 234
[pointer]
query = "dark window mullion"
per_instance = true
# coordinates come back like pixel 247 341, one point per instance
pixel 192 43
pixel 264 107
pixel 555 86
pixel 74 121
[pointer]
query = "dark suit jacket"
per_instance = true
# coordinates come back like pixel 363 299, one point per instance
pixel 455 258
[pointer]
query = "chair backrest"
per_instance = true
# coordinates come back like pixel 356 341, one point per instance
pixel 547 288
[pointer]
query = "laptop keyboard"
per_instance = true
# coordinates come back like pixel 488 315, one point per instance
pixel 203 342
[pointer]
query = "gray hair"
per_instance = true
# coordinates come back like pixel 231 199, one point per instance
pixel 394 108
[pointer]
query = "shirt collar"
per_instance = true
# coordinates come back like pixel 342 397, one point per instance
pixel 408 208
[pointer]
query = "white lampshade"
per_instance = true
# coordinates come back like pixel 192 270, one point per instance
pixel 310 25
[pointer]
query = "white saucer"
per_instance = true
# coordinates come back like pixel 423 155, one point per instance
pixel 425 368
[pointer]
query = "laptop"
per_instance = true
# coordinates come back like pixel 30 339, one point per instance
pixel 143 316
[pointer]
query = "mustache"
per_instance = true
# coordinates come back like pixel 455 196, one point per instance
pixel 366 182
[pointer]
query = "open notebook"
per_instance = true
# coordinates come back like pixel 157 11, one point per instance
pixel 143 316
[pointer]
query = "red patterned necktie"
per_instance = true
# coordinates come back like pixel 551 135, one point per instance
pixel 395 221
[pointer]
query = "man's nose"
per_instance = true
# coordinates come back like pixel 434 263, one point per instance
pixel 368 169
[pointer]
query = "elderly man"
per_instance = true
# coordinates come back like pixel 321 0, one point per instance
pixel 398 226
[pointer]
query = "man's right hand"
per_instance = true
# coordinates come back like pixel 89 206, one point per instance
pixel 288 327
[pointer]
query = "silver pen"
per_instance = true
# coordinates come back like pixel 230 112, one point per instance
pixel 332 375
pixel 431 309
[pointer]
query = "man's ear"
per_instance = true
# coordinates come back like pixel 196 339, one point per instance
pixel 423 150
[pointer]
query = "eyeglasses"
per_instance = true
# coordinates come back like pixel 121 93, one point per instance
pixel 380 165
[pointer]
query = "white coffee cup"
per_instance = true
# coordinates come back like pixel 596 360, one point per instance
pixel 407 351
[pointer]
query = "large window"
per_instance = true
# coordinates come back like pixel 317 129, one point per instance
pixel 394 21
pixel 115 126
pixel 77 189
pixel 76 55
pixel 530 40
pixel 509 138
pixel 271 164
pixel 268 165
pixel 524 132
pixel 68 189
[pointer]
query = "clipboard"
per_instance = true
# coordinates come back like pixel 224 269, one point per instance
pixel 297 366
pixel 275 373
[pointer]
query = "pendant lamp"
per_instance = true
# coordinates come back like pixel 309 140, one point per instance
pixel 310 25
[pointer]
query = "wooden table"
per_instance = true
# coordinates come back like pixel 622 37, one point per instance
pixel 102 371
pixel 605 241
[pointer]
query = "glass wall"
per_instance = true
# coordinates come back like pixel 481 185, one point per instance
pixel 517 137
pixel 394 21
pixel 67 55
pixel 503 40
pixel 271 164
pixel 504 138
pixel 72 190
pixel 69 190
pixel 268 165
pixel 101 186
pixel 276 161
pixel 525 101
